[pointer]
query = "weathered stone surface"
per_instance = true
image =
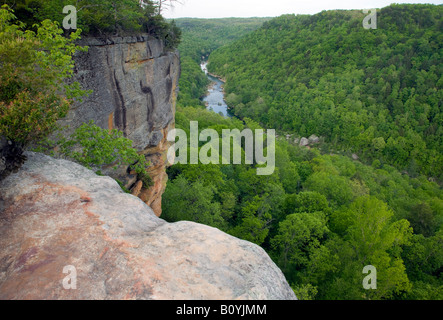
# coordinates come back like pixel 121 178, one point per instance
pixel 134 83
pixel 304 142
pixel 313 139
pixel 54 213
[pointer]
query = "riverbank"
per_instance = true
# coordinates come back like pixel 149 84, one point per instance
pixel 218 77
pixel 204 66
pixel 215 96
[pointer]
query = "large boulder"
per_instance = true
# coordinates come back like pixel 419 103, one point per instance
pixel 304 142
pixel 313 139
pixel 59 220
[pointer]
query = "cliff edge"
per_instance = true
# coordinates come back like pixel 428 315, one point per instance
pixel 134 83
pixel 55 214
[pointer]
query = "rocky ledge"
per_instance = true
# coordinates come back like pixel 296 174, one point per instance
pixel 55 213
pixel 134 84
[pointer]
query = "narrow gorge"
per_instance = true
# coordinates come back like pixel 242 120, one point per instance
pixel 215 97
pixel 56 214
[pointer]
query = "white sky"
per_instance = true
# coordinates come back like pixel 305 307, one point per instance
pixel 270 8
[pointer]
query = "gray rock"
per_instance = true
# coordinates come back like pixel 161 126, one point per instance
pixel 304 142
pixel 313 139
pixel 57 213
pixel 134 83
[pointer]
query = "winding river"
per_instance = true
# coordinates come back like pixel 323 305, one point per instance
pixel 215 98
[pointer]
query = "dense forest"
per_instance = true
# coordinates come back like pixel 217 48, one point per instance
pixel 200 38
pixel 323 216
pixel 100 17
pixel 377 93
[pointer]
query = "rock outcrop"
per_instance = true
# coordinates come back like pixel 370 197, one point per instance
pixel 313 139
pixel 306 142
pixel 134 82
pixel 55 213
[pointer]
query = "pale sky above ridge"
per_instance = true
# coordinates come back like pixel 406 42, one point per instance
pixel 269 8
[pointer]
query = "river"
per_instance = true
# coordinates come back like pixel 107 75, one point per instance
pixel 215 98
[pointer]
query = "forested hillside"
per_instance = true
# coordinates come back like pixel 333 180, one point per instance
pixel 377 93
pixel 322 216
pixel 200 38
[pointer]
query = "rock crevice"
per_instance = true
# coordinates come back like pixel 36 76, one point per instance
pixel 134 83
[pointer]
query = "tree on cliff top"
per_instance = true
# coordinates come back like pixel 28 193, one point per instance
pixel 162 5
pixel 33 70
pixel 103 17
pixel 34 94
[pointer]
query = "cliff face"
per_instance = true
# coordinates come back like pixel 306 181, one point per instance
pixel 56 214
pixel 134 82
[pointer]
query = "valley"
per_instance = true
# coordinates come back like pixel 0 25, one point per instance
pixel 214 100
pixel 367 192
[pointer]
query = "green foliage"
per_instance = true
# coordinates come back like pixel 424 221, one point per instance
pixel 374 92
pixel 372 238
pixel 203 36
pixel 172 35
pixel 298 235
pixel 200 38
pixel 102 17
pixel 192 201
pixel 33 70
pixel 424 260
pixel 322 217
pixel 322 234
pixel 305 292
pixel 193 83
pixel 94 147
pixel 423 219
pixel 255 219
pixel 307 201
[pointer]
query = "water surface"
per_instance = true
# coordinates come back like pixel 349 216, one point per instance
pixel 215 98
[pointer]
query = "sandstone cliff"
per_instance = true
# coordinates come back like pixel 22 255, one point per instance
pixel 134 82
pixel 55 213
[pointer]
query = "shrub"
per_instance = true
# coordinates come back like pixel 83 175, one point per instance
pixel 33 70
pixel 94 147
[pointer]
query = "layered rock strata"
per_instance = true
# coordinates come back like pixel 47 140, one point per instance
pixel 134 83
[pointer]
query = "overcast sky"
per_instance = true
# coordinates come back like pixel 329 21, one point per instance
pixel 270 8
